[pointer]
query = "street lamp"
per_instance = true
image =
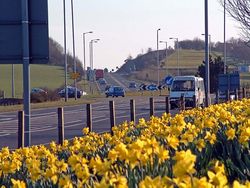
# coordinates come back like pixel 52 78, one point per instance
pixel 65 52
pixel 73 39
pixel 84 58
pixel 165 52
pixel 209 45
pixel 158 58
pixel 225 49
pixel 177 46
pixel 91 56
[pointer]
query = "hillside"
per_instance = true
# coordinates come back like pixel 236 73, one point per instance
pixel 191 55
pixel 48 76
pixel 56 57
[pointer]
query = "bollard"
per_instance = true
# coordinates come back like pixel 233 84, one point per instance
pixel 194 101
pixel 167 105
pixel 228 95
pixel 217 100
pixel 243 92
pixel 182 103
pixel 60 126
pixel 20 129
pixel 236 94
pixel 151 106
pixel 132 110
pixel 112 115
pixel 89 117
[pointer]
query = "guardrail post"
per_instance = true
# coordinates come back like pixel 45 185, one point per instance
pixel 60 125
pixel 151 105
pixel 20 129
pixel 217 100
pixel 112 115
pixel 236 94
pixel 228 95
pixel 182 102
pixel 132 110
pixel 194 101
pixel 89 117
pixel 167 105
pixel 243 92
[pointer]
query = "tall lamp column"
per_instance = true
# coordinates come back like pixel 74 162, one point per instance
pixel 158 58
pixel 177 48
pixel 166 53
pixel 84 58
pixel 91 56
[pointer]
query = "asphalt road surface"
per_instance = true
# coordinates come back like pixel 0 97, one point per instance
pixel 44 122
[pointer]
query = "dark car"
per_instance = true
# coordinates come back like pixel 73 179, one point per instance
pixel 38 90
pixel 132 85
pixel 115 91
pixel 102 81
pixel 71 92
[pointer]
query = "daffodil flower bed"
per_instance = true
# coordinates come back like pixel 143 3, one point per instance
pixel 196 148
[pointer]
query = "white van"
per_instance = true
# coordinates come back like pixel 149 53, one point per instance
pixel 188 86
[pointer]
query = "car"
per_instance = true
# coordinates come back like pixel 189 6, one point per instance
pixel 38 91
pixel 102 81
pixel 71 92
pixel 115 91
pixel 132 85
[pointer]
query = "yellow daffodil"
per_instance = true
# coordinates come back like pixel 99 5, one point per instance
pixel 230 134
pixel 18 183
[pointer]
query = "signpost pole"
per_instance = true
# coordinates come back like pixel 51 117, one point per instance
pixel 26 72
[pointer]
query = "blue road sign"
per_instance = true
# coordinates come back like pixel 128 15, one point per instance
pixel 152 87
pixel 168 80
pixel 11 31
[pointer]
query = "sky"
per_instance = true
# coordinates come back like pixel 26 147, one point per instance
pixel 129 27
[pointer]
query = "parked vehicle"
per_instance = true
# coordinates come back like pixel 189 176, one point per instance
pixel 187 86
pixel 71 92
pixel 115 91
pixel 38 90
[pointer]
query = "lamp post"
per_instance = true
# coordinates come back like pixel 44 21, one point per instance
pixel 165 52
pixel 84 58
pixel 225 49
pixel 65 53
pixel 177 46
pixel 207 73
pixel 91 56
pixel 158 58
pixel 209 42
pixel 73 39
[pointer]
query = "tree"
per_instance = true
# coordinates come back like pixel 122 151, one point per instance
pixel 216 67
pixel 240 11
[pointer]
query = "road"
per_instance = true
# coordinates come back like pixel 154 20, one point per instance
pixel 116 79
pixel 44 121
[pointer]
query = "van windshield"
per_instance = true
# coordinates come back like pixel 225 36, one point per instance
pixel 183 85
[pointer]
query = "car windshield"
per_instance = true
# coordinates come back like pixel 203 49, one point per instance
pixel 183 85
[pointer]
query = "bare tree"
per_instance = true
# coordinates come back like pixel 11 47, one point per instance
pixel 240 11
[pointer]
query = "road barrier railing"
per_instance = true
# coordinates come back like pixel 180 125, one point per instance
pixel 89 122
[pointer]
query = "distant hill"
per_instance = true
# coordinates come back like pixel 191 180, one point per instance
pixel 191 55
pixel 143 61
pixel 56 57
